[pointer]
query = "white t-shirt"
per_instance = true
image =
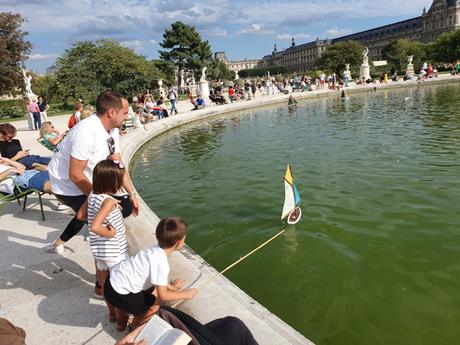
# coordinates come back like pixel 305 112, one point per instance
pixel 138 273
pixel 87 140
pixel 6 186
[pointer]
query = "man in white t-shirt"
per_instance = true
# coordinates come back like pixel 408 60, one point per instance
pixel 71 167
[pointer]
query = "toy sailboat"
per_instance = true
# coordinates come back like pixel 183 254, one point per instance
pixel 291 208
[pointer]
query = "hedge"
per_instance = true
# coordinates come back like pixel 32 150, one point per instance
pixel 12 108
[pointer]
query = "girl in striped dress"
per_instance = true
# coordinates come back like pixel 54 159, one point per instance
pixel 105 221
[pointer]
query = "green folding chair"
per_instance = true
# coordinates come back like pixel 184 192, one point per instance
pixel 19 194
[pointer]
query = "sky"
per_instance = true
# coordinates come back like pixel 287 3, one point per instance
pixel 243 29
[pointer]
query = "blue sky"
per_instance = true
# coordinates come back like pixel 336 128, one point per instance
pixel 243 29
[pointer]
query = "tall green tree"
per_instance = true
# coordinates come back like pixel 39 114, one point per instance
pixel 185 49
pixel 89 68
pixel 447 47
pixel 218 70
pixel 337 55
pixel 14 49
pixel 396 53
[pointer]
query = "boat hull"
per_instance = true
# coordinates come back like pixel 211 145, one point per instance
pixel 294 220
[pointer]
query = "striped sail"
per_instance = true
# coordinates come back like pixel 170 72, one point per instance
pixel 291 194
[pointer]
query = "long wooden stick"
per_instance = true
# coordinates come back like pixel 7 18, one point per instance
pixel 235 263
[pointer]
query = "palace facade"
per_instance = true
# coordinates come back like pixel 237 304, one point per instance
pixel 443 16
pixel 236 66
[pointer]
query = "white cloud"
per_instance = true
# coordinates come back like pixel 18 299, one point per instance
pixel 36 57
pixel 137 45
pixel 288 37
pixel 336 32
pixel 255 29
pixel 215 32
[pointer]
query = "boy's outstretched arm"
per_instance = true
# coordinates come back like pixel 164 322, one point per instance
pixel 166 294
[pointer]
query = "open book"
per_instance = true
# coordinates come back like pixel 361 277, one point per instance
pixel 159 332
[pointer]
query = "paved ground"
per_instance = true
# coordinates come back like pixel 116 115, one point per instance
pixel 50 296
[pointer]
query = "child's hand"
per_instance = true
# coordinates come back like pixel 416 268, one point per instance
pixel 176 284
pixel 112 232
pixel 190 293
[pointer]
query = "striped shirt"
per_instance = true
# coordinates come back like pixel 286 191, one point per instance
pixel 104 248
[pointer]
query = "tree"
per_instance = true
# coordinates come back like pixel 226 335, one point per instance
pixel 447 47
pixel 337 55
pixel 14 50
pixel 89 68
pixel 396 53
pixel 185 49
pixel 218 70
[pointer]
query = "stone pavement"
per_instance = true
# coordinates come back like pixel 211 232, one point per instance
pixel 51 296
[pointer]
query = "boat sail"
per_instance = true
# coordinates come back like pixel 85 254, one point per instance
pixel 291 208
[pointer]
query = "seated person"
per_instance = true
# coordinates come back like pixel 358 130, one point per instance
pixel 11 148
pixel 24 179
pixel 51 137
pixel 161 108
pixel 231 93
pixel 130 285
pixel 225 330
pixel 199 103
pixel 149 105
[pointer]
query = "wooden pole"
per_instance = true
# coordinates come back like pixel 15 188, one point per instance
pixel 235 263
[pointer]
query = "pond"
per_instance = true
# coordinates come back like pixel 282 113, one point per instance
pixel 375 258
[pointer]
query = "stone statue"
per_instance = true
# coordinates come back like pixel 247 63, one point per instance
pixel 203 74
pixel 364 71
pixel 27 83
pixel 365 56
pixel 161 91
pixel 410 58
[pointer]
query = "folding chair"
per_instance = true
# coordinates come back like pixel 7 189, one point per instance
pixel 20 193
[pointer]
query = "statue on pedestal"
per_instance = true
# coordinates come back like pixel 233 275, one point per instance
pixel 410 67
pixel 364 71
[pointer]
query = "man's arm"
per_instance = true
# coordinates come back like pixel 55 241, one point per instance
pixel 128 185
pixel 76 175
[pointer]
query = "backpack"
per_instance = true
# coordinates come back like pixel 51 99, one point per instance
pixel 72 121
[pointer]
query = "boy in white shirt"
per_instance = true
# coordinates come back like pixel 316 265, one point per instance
pixel 131 283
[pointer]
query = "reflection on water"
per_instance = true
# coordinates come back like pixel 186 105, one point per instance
pixel 375 257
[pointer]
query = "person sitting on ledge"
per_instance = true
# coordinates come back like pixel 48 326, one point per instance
pixel 11 148
pixel 199 103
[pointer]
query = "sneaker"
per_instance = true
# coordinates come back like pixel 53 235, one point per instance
pixel 98 291
pixel 62 207
pixel 51 248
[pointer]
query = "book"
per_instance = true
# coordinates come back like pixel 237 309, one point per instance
pixel 159 332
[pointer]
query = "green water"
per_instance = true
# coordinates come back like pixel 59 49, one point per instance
pixel 376 256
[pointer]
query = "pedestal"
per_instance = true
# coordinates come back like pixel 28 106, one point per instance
pixel 32 96
pixel 204 89
pixel 364 71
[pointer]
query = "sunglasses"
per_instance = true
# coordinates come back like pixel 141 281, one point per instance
pixel 111 144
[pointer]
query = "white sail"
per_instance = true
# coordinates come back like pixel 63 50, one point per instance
pixel 289 202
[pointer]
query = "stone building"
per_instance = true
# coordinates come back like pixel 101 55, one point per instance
pixel 443 16
pixel 235 66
